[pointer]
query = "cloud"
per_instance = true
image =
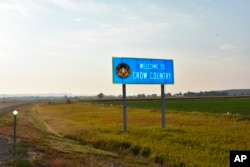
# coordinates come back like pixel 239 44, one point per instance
pixel 14 9
pixel 25 9
pixel 233 48
pixel 130 18
pixel 110 35
pixel 80 6
pixel 228 47
pixel 183 16
pixel 65 4
pixel 96 6
pixel 79 20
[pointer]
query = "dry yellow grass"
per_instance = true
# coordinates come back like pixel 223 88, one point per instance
pixel 79 133
pixel 192 139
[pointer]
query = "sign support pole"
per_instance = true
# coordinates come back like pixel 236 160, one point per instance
pixel 14 151
pixel 163 107
pixel 125 128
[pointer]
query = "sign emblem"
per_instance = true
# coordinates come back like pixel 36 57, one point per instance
pixel 123 70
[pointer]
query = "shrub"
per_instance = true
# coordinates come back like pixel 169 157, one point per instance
pixel 159 159
pixel 146 152
pixel 135 149
pixel 125 145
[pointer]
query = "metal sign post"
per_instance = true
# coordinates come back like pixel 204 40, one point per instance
pixel 163 107
pixel 125 128
pixel 15 114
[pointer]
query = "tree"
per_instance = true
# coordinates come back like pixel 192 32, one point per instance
pixel 168 95
pixel 100 96
pixel 154 95
pixel 141 95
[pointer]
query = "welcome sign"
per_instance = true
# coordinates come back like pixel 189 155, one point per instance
pixel 142 71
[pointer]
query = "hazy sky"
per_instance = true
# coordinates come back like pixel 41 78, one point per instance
pixel 67 45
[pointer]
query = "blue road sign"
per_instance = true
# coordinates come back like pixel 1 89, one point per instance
pixel 142 71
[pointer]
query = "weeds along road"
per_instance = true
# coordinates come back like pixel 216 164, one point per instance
pixel 5 146
pixel 9 106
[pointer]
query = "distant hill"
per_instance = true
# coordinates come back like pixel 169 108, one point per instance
pixel 37 95
pixel 238 92
pixel 230 92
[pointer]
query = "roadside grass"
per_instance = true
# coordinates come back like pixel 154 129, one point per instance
pixel 190 139
pixel 6 124
pixel 40 145
pixel 21 159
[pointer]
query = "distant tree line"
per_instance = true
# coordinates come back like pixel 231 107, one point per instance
pixel 187 94
pixel 210 93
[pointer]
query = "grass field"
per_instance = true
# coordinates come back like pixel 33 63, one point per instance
pixel 208 105
pixel 198 132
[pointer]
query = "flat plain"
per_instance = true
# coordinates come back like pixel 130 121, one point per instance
pixel 199 132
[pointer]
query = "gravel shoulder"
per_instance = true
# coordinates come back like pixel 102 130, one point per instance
pixel 5 150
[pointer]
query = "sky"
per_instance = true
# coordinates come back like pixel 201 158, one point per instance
pixel 66 46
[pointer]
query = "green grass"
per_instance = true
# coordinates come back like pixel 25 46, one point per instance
pixel 213 105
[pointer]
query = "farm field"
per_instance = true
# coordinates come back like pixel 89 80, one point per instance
pixel 219 105
pixel 199 132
